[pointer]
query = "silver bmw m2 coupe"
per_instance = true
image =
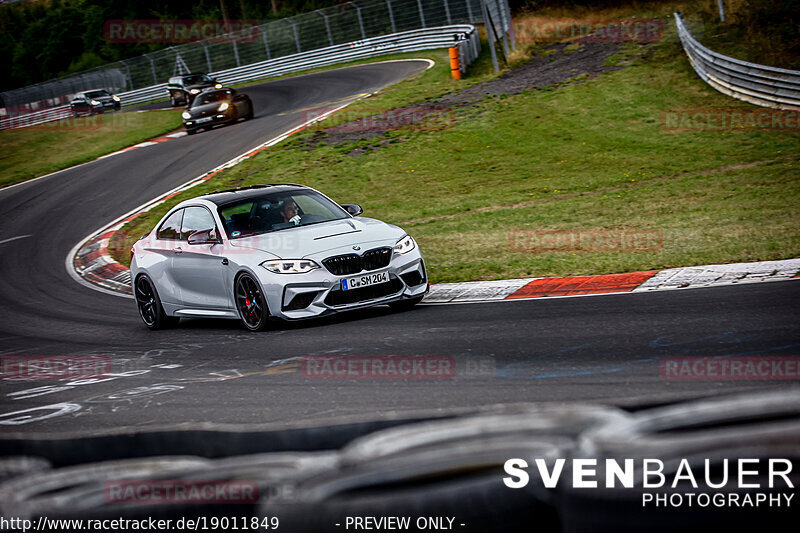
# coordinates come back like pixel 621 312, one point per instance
pixel 285 251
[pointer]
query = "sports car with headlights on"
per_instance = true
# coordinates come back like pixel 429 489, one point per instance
pixel 284 251
pixel 93 102
pixel 183 89
pixel 216 106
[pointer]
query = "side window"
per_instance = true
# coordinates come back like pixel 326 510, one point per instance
pixel 196 219
pixel 171 228
pixel 236 219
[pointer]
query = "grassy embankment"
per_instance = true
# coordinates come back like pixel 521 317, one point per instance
pixel 38 150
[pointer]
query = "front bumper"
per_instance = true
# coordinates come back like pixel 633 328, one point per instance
pixel 111 106
pixel 219 118
pixel 319 293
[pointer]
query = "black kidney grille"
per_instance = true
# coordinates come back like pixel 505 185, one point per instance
pixel 344 265
pixel 377 258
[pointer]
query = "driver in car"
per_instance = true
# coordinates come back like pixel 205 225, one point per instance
pixel 288 211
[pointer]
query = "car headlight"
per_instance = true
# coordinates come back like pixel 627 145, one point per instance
pixel 194 91
pixel 404 245
pixel 223 106
pixel 115 97
pixel 94 102
pixel 290 266
pixel 186 115
pixel 218 86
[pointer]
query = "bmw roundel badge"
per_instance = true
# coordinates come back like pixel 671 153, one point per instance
pixel 356 248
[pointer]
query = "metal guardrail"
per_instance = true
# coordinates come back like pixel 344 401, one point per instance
pixel 38 117
pixel 344 23
pixel 463 36
pixel 758 84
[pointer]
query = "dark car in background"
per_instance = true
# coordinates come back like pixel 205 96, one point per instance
pixel 183 89
pixel 216 106
pixel 94 101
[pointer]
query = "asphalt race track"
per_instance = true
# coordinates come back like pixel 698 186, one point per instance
pixel 599 348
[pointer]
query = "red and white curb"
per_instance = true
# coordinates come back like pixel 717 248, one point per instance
pixel 151 142
pixel 649 280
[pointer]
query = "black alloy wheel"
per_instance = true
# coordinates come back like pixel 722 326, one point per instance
pixel 149 304
pixel 250 303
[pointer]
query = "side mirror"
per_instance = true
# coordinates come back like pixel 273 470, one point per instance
pixel 353 209
pixel 206 236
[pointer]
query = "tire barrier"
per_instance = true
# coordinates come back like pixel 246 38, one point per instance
pixel 447 468
pixel 196 441
pixel 448 471
pixel 719 431
pixel 11 467
pixel 80 488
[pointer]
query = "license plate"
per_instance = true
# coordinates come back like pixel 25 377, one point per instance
pixel 206 119
pixel 365 281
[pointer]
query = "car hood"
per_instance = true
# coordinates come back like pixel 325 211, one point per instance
pixel 102 99
pixel 206 109
pixel 324 238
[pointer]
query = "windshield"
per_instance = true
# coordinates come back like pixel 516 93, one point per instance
pixel 210 98
pixel 196 79
pixel 97 94
pixel 278 211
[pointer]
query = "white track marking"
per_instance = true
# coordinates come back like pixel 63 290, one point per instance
pixel 15 238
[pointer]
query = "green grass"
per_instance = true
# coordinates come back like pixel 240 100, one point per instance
pixel 38 150
pixel 431 83
pixel 587 156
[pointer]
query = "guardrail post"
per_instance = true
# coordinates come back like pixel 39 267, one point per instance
pixel 236 51
pixel 263 30
pixel 503 26
pixel 208 57
pixel 421 14
pixel 296 36
pixel 128 72
pixel 489 34
pixel 391 15
pixel 721 10
pixel 152 68
pixel 512 33
pixel 327 26
pixel 360 20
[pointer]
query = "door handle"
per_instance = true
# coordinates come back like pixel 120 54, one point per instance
pixel 178 250
pixel 225 261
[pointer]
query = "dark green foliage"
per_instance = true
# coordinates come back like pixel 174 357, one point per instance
pixel 44 39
